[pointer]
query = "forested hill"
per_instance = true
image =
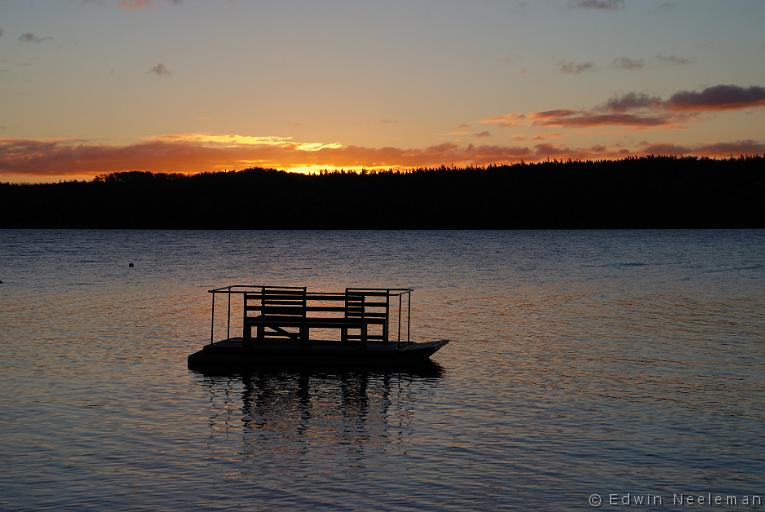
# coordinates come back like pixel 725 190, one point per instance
pixel 650 192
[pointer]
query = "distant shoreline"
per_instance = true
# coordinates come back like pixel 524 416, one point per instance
pixel 647 192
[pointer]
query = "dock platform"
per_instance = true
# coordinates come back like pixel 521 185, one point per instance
pixel 288 326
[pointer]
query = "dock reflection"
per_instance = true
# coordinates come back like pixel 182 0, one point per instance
pixel 349 409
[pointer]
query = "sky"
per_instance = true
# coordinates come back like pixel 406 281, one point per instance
pixel 89 87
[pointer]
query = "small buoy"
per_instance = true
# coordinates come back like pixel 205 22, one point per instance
pixel 131 265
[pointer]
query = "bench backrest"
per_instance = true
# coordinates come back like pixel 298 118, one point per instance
pixel 277 301
pixel 278 309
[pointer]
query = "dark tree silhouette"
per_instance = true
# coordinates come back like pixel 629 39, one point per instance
pixel 660 192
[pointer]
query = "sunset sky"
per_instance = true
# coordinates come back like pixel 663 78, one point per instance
pixel 96 86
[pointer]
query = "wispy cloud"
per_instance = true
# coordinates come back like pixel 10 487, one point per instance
pixel 483 134
pixel 159 70
pixel 30 37
pixel 234 140
pixel 586 119
pixel 628 63
pixel 631 101
pixel 673 59
pixel 504 120
pixel 575 68
pixel 602 5
pixel 545 136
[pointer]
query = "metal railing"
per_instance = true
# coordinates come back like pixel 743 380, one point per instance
pixel 395 299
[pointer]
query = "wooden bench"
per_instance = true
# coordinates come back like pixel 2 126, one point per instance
pixel 289 313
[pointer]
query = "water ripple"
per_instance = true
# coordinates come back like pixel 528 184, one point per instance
pixel 580 362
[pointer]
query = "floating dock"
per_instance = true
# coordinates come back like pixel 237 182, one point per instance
pixel 289 326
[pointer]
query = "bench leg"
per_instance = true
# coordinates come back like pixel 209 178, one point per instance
pixel 261 332
pixel 304 333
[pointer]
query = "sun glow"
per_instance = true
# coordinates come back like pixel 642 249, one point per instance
pixel 235 140
pixel 316 169
pixel 229 139
pixel 317 146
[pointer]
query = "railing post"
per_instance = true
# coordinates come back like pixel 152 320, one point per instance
pixel 344 329
pixel 212 319
pixel 246 330
pixel 228 318
pixel 408 314
pixel 363 319
pixel 399 321
pixel 386 325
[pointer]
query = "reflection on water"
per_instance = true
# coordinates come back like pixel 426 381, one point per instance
pixel 350 411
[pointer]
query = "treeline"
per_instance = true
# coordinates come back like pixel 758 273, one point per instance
pixel 648 192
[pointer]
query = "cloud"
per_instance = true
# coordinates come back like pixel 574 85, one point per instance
pixel 483 134
pixel 628 63
pixel 585 119
pixel 189 153
pixel 718 97
pixel 545 136
pixel 504 121
pixel 575 68
pixel 602 5
pixel 159 70
pixel 631 101
pixel 674 60
pixel 637 110
pixel 172 153
pixel 201 152
pixel 640 110
pixel 718 149
pixel 744 147
pixel 552 114
pixel 30 37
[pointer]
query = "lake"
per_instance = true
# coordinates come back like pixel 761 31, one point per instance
pixel 580 363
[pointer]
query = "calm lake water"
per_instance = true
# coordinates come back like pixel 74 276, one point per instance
pixel 581 362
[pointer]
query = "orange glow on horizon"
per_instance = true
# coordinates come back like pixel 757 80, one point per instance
pixel 51 160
